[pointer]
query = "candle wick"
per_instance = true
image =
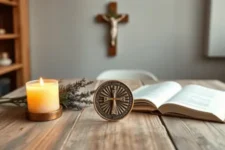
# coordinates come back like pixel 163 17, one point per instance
pixel 41 82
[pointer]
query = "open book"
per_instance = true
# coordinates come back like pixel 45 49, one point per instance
pixel 191 101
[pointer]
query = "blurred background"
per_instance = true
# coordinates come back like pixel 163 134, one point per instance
pixel 174 39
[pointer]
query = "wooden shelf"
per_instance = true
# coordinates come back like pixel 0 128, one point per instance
pixel 4 70
pixel 15 20
pixel 8 36
pixel 8 2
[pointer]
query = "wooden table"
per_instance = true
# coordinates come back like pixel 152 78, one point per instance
pixel 86 130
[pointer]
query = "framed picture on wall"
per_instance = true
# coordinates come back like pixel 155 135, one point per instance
pixel 216 33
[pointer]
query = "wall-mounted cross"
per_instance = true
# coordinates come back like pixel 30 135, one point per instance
pixel 113 19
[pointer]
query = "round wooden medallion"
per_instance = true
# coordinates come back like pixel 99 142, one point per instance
pixel 113 100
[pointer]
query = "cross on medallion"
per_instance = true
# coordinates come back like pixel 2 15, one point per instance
pixel 113 19
pixel 114 99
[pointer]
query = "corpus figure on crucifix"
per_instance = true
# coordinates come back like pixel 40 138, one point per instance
pixel 114 26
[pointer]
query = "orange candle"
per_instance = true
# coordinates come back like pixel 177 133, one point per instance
pixel 42 95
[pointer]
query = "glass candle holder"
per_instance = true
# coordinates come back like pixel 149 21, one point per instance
pixel 42 98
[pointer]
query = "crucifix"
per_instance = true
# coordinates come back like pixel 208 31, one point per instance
pixel 113 19
pixel 114 99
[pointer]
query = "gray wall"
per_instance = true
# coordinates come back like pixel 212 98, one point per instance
pixel 216 47
pixel 165 37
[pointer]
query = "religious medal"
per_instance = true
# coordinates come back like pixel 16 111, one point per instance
pixel 113 100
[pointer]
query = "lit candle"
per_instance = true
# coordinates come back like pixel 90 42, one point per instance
pixel 42 96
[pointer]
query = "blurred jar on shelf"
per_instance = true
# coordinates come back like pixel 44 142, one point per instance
pixel 2 31
pixel 4 59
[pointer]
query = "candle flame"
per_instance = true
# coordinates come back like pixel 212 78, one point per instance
pixel 41 81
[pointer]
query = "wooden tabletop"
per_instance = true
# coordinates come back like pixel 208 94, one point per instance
pixel 85 130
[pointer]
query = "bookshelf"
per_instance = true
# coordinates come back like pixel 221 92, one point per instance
pixel 4 70
pixel 8 36
pixel 8 2
pixel 14 19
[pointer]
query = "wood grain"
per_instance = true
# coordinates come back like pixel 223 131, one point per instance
pixel 7 69
pixel 86 130
pixel 136 131
pixel 100 19
pixel 9 3
pixel 112 49
pixel 112 7
pixel 24 39
pixel 17 132
pixel 8 36
pixel 188 134
pixel 17 45
pixel 17 28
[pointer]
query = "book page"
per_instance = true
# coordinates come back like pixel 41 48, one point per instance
pixel 157 93
pixel 201 99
